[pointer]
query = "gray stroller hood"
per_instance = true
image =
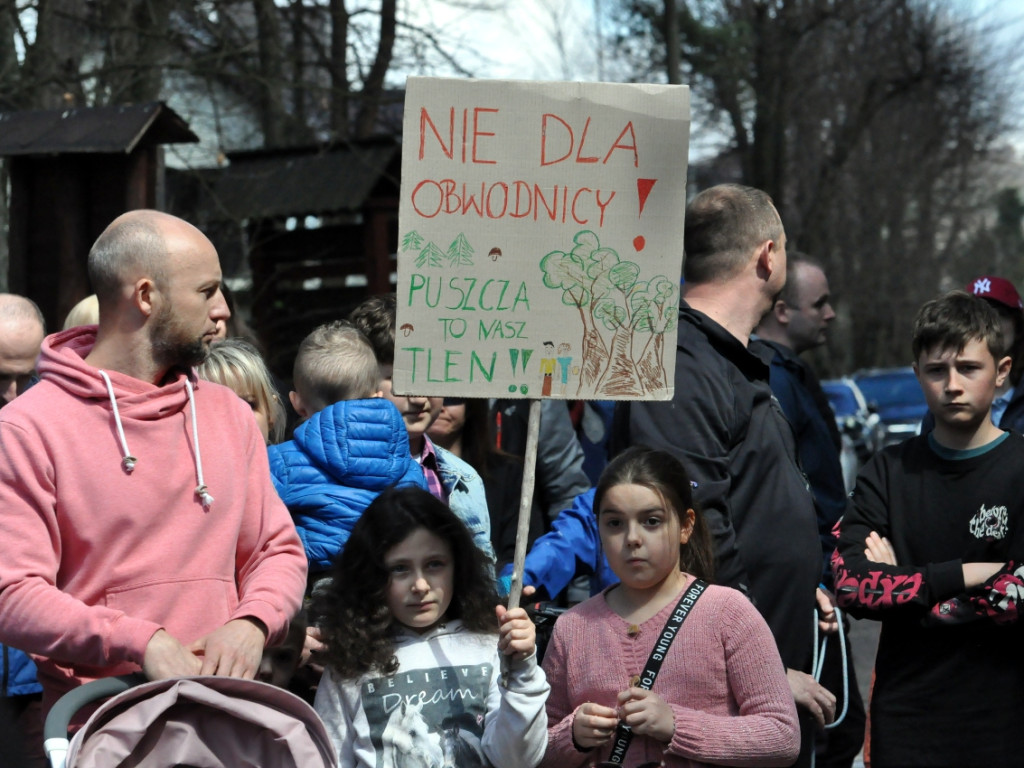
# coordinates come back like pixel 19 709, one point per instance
pixel 205 722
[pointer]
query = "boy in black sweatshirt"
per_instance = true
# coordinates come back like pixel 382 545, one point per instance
pixel 932 545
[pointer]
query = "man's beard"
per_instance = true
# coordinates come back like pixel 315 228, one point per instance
pixel 171 348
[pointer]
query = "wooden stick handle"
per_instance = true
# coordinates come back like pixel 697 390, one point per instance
pixel 525 504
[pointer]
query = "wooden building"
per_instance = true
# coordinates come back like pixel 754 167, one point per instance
pixel 72 171
pixel 317 228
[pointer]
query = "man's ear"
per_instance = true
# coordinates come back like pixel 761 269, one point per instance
pixel 766 259
pixel 143 295
pixel 781 312
pixel 772 248
pixel 298 405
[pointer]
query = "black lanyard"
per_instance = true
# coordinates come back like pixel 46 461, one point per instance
pixel 623 733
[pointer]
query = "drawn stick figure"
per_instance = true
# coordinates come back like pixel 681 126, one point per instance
pixel 547 367
pixel 564 363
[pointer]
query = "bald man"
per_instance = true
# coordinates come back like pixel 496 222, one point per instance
pixel 22 328
pixel 21 333
pixel 140 526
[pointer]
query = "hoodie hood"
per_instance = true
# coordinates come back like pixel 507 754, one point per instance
pixel 62 361
pixel 404 636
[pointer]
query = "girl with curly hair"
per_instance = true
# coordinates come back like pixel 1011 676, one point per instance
pixel 414 637
pixel 721 696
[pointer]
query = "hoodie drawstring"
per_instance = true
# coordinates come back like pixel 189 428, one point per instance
pixel 201 491
pixel 128 462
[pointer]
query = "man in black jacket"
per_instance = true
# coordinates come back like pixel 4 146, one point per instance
pixel 799 322
pixel 731 434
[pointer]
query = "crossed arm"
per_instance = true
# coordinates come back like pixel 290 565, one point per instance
pixel 991 589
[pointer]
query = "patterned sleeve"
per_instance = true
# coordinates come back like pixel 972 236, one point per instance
pixel 1000 599
pixel 865 587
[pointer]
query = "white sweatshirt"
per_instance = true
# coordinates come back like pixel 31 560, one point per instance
pixel 445 706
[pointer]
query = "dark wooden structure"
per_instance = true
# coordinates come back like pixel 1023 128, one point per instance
pixel 318 226
pixel 72 171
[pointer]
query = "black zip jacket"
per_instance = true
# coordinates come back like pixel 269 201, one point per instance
pixel 734 440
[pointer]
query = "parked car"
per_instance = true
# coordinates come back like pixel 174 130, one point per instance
pixel 895 395
pixel 861 429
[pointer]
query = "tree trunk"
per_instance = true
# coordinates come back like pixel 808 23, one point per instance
pixel 373 84
pixel 339 71
pixel 298 50
pixel 8 57
pixel 271 67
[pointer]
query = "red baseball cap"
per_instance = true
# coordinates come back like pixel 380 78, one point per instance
pixel 996 289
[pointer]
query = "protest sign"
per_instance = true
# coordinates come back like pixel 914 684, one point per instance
pixel 540 239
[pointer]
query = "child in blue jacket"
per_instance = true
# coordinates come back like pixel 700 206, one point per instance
pixel 352 446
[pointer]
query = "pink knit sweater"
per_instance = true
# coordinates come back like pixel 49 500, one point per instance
pixel 722 676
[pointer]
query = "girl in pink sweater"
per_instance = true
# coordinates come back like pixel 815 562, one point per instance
pixel 721 695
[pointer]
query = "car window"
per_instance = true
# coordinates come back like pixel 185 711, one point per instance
pixel 890 388
pixel 842 399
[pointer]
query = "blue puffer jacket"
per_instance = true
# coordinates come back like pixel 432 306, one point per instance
pixel 19 673
pixel 338 462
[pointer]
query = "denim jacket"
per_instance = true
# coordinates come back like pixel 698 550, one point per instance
pixel 466 497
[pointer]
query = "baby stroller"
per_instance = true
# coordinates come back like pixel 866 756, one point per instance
pixel 203 722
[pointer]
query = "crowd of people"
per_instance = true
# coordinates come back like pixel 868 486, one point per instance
pixel 155 520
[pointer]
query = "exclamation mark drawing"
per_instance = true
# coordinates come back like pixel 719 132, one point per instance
pixel 643 189
pixel 515 356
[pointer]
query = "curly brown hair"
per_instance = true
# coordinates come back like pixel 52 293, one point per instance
pixel 356 624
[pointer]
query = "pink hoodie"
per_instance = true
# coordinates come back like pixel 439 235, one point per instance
pixel 94 558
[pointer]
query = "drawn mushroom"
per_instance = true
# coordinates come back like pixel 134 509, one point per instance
pixel 494 253
pixel 406 329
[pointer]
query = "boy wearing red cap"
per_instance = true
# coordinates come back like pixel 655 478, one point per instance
pixel 1008 407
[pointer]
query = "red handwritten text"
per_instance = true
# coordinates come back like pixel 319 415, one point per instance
pixel 467 136
pixel 518 200
pixel 568 138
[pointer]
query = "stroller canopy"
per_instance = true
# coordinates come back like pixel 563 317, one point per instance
pixel 205 722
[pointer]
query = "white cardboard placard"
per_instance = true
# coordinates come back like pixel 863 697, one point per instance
pixel 540 239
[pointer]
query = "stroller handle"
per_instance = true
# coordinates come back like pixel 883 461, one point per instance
pixel 55 730
pixel 60 715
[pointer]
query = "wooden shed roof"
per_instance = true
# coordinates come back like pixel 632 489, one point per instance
pixel 112 129
pixel 280 183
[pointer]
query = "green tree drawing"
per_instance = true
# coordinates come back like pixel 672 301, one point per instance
pixel 612 300
pixel 568 272
pixel 460 252
pixel 616 280
pixel 431 256
pixel 655 311
pixel 412 241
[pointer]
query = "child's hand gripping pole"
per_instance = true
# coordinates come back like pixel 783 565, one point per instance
pixel 525 506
